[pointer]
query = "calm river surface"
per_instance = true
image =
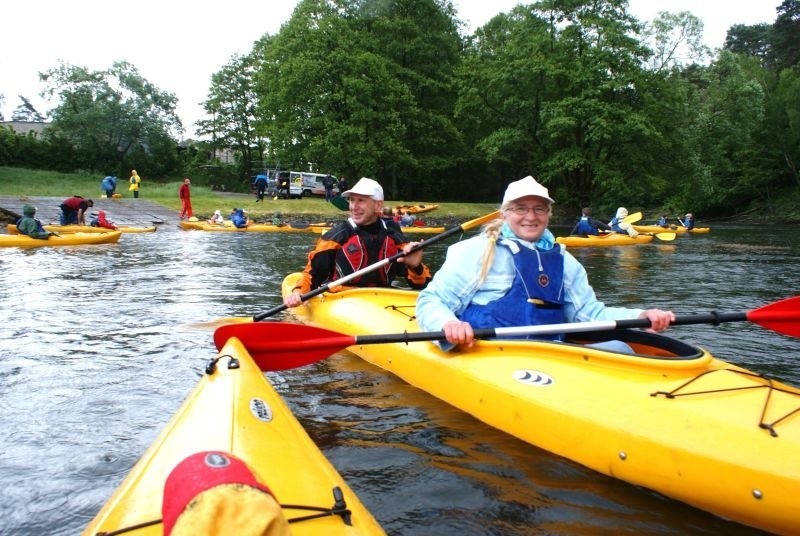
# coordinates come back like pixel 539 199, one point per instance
pixel 97 350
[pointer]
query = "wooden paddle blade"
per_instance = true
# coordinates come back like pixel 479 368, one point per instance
pixel 782 316
pixel 281 346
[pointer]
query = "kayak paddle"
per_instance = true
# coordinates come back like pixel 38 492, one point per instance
pixel 281 345
pixel 632 218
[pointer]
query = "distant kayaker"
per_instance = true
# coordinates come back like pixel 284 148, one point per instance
pixel 587 225
pixel 514 274
pixel 364 239
pixel 101 221
pixel 186 199
pixel 217 218
pixel 618 225
pixel 663 222
pixel 688 221
pixel 239 218
pixel 73 210
pixel 30 226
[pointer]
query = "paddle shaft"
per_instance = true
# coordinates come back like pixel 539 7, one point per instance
pixel 358 273
pixel 552 329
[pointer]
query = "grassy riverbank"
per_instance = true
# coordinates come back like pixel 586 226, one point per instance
pixel 34 183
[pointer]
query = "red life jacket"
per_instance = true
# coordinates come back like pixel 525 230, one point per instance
pixel 362 249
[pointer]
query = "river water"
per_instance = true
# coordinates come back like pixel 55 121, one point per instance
pixel 100 346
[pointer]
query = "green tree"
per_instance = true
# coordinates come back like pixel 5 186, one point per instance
pixel 786 34
pixel 556 89
pixel 112 119
pixel 27 112
pixel 362 88
pixel 232 104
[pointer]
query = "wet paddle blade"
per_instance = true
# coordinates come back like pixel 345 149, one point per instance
pixel 666 237
pixel 782 316
pixel 281 346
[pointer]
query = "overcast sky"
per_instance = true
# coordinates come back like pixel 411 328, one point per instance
pixel 177 45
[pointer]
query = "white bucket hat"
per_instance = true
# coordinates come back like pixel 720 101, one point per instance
pixel 367 187
pixel 525 187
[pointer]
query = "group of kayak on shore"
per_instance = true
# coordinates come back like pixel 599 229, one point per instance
pixel 588 225
pixel 73 211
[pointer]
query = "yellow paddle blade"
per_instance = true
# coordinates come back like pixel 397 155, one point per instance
pixel 666 237
pixel 632 218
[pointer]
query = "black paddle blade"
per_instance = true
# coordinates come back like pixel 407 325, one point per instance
pixel 281 346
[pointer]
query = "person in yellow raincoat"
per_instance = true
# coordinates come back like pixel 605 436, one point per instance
pixel 134 180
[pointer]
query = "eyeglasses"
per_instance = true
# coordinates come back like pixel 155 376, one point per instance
pixel 523 211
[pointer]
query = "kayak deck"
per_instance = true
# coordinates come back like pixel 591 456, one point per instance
pixel 252 228
pixel 12 229
pixel 67 239
pixel 604 240
pixel 665 418
pixel 234 409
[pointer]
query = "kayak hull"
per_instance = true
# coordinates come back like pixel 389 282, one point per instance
pixel 12 229
pixel 605 240
pixel 671 229
pixel 252 228
pixel 67 239
pixel 236 410
pixel 598 408
pixel 415 209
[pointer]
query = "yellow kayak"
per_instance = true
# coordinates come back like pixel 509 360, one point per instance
pixel 604 240
pixel 670 229
pixel 68 239
pixel 415 209
pixel 236 410
pixel 671 418
pixel 252 228
pixel 12 229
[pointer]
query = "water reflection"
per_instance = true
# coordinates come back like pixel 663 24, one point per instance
pixel 98 352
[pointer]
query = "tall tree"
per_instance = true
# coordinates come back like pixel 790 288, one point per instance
pixel 231 103
pixel 786 34
pixel 752 40
pixel 556 88
pixel 113 119
pixel 27 112
pixel 676 40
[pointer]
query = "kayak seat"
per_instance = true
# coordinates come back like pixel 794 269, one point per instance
pixel 644 344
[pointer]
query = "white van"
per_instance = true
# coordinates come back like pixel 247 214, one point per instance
pixel 305 184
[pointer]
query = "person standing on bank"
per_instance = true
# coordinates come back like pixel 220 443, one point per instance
pixel 186 199
pixel 328 182
pixel 134 183
pixel 514 274
pixel 73 210
pixel 109 185
pixel 363 239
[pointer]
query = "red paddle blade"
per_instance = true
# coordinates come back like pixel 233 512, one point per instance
pixel 781 316
pixel 281 346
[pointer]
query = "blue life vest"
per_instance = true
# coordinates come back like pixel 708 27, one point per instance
pixel 614 223
pixel 662 221
pixel 536 296
pixel 584 227
pixel 238 218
